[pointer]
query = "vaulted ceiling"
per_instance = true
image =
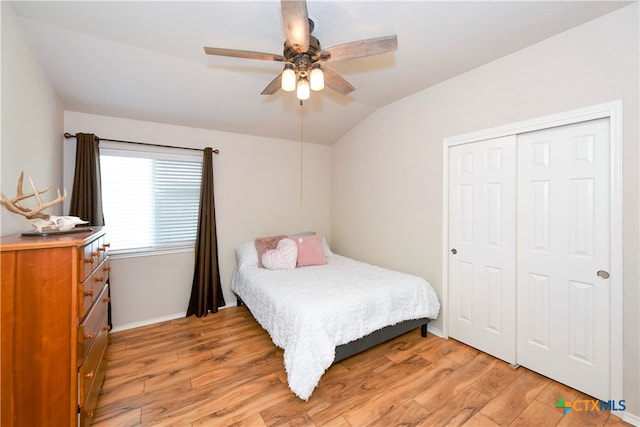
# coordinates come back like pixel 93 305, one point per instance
pixel 145 60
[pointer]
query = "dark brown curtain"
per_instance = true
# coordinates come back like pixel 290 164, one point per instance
pixel 206 291
pixel 86 196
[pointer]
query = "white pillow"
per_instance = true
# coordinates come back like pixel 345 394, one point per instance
pixel 325 247
pixel 283 257
pixel 246 255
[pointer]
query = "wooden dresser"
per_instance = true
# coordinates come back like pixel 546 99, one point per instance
pixel 55 303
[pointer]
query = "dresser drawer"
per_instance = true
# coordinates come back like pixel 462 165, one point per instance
pixel 91 255
pixel 89 259
pixel 102 248
pixel 94 328
pixel 91 380
pixel 91 287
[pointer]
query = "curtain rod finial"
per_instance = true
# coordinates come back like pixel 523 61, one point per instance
pixel 68 135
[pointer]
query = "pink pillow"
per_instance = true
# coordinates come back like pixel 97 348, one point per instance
pixel 283 257
pixel 264 244
pixel 310 250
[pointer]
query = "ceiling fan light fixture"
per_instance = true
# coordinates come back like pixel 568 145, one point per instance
pixel 303 90
pixel 316 78
pixel 288 83
pixel 301 52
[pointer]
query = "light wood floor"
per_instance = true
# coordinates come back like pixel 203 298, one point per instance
pixel 223 369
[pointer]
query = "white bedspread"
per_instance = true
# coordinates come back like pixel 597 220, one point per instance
pixel 309 311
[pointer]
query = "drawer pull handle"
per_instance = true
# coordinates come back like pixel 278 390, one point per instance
pixel 89 260
pixel 88 336
pixel 106 299
pixel 107 245
pixel 89 375
pixel 89 414
pixel 96 254
pixel 106 328
pixel 89 294
pixel 99 279
pixel 107 269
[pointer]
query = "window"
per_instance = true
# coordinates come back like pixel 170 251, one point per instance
pixel 150 199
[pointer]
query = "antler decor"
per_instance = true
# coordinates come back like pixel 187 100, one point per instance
pixel 39 219
pixel 14 205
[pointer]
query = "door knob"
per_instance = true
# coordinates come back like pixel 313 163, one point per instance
pixel 603 274
pixel 454 251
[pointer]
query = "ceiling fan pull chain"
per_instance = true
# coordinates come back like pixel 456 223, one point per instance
pixel 301 159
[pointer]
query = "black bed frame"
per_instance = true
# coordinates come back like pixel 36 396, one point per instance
pixel 377 337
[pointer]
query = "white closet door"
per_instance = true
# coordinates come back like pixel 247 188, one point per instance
pixel 482 260
pixel 563 255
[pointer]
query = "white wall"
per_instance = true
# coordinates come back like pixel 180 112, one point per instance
pixel 387 172
pixel 31 123
pixel 257 193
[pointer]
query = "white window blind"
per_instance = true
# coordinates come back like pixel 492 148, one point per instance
pixel 150 199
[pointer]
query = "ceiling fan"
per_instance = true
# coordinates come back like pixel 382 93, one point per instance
pixel 302 55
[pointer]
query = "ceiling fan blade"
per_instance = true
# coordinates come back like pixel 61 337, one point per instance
pixel 296 24
pixel 273 86
pixel 247 54
pixel 362 48
pixel 336 82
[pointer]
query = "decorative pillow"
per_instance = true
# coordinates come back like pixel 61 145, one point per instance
pixel 325 245
pixel 246 255
pixel 283 257
pixel 310 250
pixel 264 244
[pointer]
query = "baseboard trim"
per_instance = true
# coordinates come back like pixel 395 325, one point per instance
pixel 634 420
pixel 435 331
pixel 133 325
pixel 146 322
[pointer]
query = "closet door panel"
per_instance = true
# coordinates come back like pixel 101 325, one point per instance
pixel 482 277
pixel 563 241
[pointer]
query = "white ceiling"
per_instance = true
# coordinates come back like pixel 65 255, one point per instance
pixel 145 60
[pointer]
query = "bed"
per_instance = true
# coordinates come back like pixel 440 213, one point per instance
pixel 320 314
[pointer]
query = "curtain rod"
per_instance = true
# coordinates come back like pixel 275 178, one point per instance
pixel 67 135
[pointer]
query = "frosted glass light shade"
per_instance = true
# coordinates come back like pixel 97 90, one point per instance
pixel 303 89
pixel 288 80
pixel 316 78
